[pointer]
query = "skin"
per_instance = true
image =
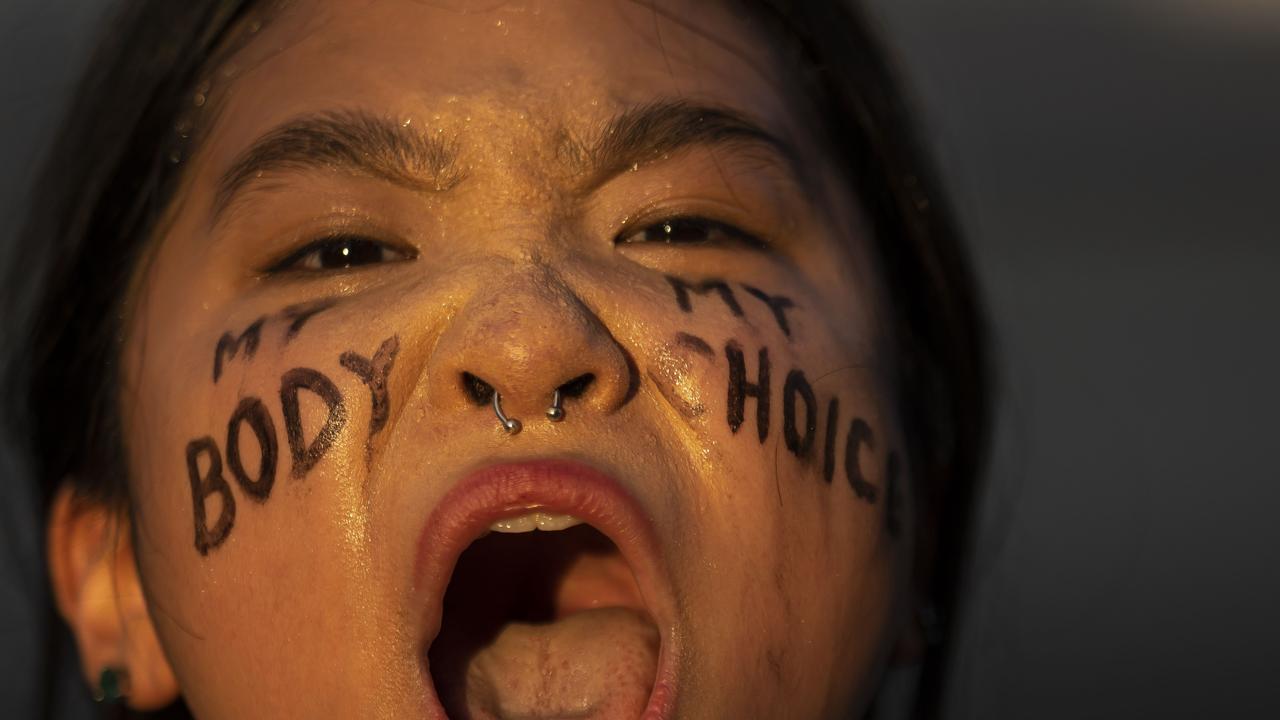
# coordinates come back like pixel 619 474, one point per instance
pixel 790 589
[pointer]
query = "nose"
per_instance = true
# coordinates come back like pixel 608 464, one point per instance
pixel 531 340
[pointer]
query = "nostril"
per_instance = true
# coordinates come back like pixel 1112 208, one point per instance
pixel 575 387
pixel 478 390
pixel 481 392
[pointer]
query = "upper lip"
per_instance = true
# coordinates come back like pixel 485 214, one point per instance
pixel 558 486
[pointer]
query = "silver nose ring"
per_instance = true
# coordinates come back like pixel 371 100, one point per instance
pixel 555 413
pixel 511 425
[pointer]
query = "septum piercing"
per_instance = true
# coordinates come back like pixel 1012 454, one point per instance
pixel 555 413
pixel 511 425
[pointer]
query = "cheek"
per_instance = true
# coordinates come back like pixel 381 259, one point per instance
pixel 773 391
pixel 249 447
pixel 275 407
pixel 798 526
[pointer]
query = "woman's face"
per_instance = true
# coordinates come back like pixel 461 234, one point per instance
pixel 400 207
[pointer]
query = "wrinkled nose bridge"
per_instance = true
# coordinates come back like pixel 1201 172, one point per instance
pixel 522 327
pixel 525 334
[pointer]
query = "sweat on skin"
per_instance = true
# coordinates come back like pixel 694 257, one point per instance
pixel 543 259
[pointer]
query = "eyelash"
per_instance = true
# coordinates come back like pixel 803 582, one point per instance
pixel 668 231
pixel 349 251
pixel 353 251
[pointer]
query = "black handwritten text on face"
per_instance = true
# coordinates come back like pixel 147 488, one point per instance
pixel 208 473
pixel 375 372
pixel 800 405
pixel 685 291
pixel 800 408
pixel 245 345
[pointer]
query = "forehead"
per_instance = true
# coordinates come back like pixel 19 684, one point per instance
pixel 488 66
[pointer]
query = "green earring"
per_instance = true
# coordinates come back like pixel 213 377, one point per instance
pixel 113 684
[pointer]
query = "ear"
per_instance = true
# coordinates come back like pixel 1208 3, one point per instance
pixel 98 593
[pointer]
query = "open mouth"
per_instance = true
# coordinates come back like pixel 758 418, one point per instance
pixel 547 599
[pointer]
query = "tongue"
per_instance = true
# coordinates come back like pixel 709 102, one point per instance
pixel 591 664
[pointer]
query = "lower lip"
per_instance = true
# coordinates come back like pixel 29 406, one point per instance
pixel 557 486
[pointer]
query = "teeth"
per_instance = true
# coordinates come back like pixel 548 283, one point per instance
pixel 535 520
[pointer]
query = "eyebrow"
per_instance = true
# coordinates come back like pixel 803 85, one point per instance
pixel 354 141
pixel 362 143
pixel 652 131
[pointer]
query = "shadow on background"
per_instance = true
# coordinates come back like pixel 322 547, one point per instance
pixel 1116 165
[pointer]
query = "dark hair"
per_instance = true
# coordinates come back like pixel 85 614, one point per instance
pixel 116 165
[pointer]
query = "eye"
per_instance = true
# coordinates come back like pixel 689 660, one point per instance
pixel 339 252
pixel 690 231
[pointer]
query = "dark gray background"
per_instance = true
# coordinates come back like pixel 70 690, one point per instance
pixel 1116 165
